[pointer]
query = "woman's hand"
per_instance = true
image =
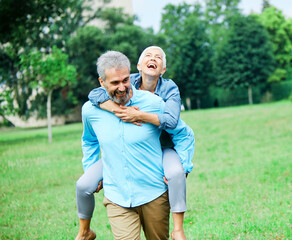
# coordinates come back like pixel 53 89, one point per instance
pixel 129 114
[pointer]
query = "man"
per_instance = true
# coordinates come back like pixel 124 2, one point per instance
pixel 135 193
pixel 152 66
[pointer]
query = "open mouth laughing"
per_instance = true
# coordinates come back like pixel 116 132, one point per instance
pixel 151 66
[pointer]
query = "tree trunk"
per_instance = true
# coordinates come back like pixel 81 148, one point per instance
pixel 49 115
pixel 250 95
pixel 198 103
pixel 188 103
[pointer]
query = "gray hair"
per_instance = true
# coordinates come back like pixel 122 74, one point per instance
pixel 109 60
pixel 155 47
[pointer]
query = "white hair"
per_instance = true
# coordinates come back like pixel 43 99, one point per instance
pixel 155 47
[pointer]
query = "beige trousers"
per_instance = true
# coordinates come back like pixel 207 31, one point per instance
pixel 153 217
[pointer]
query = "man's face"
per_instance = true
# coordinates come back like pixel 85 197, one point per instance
pixel 118 85
pixel 152 63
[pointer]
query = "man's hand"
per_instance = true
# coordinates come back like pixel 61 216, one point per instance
pixel 165 180
pixel 99 186
pixel 128 114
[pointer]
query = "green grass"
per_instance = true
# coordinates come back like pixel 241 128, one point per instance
pixel 240 187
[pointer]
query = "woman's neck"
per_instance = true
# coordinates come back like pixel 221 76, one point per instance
pixel 149 83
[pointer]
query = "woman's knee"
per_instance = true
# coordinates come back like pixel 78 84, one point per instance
pixel 83 187
pixel 174 174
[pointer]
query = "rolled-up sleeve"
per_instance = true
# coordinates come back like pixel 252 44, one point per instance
pixel 184 144
pixel 90 143
pixel 97 96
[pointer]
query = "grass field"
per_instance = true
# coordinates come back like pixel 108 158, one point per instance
pixel 240 187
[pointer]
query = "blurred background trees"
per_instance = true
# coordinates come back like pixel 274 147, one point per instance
pixel 214 53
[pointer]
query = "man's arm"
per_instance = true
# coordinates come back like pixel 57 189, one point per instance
pixel 90 144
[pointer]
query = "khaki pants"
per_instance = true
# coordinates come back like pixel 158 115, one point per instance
pixel 153 217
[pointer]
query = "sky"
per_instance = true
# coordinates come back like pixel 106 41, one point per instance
pixel 149 11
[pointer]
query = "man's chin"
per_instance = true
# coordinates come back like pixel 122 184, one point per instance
pixel 122 100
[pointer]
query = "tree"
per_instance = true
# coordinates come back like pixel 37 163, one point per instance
pixel 266 4
pixel 48 72
pixel 32 24
pixel 218 13
pixel 6 103
pixel 172 24
pixel 84 49
pixel 193 68
pixel 280 33
pixel 246 57
pixel 188 50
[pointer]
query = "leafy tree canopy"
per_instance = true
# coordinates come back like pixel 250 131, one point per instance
pixel 246 57
pixel 280 33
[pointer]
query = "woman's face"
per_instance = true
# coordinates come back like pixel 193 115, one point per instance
pixel 152 63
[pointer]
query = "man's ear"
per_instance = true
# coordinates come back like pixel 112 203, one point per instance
pixel 163 71
pixel 139 67
pixel 101 82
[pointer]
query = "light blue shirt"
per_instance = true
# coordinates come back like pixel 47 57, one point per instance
pixel 166 89
pixel 132 155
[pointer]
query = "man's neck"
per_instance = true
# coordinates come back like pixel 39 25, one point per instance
pixel 149 83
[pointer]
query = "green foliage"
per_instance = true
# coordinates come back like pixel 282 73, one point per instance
pixel 246 58
pixel 38 24
pixel 113 17
pixel 27 25
pixel 189 51
pixel 84 48
pixel 172 25
pixel 290 97
pixel 217 14
pixel 278 75
pixel 266 4
pixel 6 103
pixel 280 33
pixel 193 66
pixel 49 71
pixel 240 186
pixel 281 90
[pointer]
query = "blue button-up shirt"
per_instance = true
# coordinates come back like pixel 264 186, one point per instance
pixel 165 88
pixel 131 155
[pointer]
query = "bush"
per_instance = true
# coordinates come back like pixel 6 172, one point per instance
pixel 281 90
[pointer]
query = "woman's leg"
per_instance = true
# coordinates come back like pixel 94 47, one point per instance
pixel 85 187
pixel 176 179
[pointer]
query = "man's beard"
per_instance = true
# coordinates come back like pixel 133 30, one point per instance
pixel 120 100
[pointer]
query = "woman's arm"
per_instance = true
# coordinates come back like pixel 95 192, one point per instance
pixel 99 98
pixel 171 96
pixel 133 114
pixel 166 120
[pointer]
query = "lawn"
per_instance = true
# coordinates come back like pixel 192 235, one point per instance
pixel 240 187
